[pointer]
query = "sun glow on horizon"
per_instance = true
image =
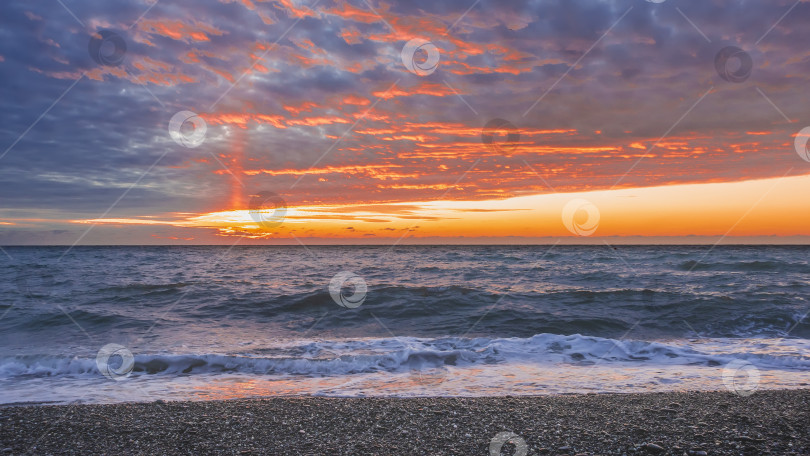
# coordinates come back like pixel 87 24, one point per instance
pixel 676 210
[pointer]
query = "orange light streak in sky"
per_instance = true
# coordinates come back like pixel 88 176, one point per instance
pixel 767 207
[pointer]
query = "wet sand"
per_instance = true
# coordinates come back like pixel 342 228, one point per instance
pixel 688 423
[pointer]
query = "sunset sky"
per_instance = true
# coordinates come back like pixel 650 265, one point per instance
pixel 622 127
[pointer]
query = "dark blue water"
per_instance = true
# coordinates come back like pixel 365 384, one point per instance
pixel 201 322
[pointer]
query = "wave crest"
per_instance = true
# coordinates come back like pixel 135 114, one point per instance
pixel 336 358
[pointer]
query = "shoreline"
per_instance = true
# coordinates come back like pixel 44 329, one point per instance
pixel 672 423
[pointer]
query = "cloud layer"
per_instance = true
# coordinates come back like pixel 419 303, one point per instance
pixel 311 99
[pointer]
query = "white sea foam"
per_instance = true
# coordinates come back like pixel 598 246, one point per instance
pixel 346 357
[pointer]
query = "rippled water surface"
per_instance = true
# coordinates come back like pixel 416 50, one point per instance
pixel 216 322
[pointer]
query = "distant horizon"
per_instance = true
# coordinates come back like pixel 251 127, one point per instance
pixel 563 242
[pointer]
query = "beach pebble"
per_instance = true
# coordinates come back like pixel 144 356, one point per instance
pixel 575 425
pixel 654 448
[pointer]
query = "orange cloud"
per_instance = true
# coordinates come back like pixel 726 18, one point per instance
pixel 178 30
pixel 356 100
pixel 426 88
pixel 313 121
pixel 349 12
pixel 293 10
pixel 241 119
pixel 351 34
pixel 306 106
pixel 382 172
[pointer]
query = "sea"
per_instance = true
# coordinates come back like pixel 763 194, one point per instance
pixel 120 324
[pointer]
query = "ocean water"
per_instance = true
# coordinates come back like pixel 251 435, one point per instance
pixel 113 324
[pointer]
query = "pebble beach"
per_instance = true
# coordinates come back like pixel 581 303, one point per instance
pixel 678 423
